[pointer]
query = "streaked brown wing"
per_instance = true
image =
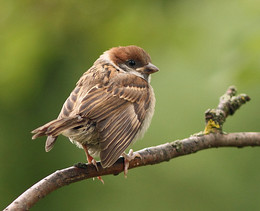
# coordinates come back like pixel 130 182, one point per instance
pixel 88 80
pixel 116 137
pixel 70 103
pixel 119 110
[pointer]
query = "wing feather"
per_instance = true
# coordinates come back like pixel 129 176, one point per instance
pixel 116 107
pixel 117 110
pixel 118 140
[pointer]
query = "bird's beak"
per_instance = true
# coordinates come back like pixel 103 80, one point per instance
pixel 148 69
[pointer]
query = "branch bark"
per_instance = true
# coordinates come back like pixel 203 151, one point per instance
pixel 212 137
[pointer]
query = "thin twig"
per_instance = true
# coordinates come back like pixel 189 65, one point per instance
pixel 229 103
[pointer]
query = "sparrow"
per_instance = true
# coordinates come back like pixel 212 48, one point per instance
pixel 111 106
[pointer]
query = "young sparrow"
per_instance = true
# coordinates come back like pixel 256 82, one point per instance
pixel 110 108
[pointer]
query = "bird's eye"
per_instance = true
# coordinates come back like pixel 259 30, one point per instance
pixel 131 62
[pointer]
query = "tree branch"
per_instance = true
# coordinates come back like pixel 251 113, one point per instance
pixel 228 104
pixel 212 137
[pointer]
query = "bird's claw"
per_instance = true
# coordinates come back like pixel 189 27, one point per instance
pixel 127 158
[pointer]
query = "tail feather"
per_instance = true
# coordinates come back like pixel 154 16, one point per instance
pixel 49 144
pixel 41 131
pixel 56 127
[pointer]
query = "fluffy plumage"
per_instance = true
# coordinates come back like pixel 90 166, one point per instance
pixel 110 107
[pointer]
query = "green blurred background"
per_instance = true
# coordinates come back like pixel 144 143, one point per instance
pixel 201 47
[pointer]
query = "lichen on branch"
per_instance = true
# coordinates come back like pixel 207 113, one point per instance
pixel 228 104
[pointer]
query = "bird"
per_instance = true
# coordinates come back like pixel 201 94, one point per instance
pixel 110 108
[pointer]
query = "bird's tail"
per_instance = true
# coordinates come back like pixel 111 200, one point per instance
pixel 56 127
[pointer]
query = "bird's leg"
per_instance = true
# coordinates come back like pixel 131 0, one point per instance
pixel 127 158
pixel 91 160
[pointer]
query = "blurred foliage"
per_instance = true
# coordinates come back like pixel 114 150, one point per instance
pixel 201 47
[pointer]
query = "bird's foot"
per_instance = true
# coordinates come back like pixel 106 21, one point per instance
pixel 91 160
pixel 127 158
